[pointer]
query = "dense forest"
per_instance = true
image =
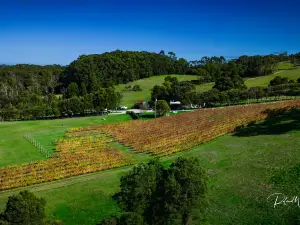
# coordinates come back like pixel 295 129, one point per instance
pixel 85 86
pixel 120 67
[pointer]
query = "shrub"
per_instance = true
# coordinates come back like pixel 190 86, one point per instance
pixel 136 88
pixel 279 80
pixel 162 107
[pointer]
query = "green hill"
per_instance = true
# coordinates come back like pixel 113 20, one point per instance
pixel 293 74
pixel 287 65
pixel 263 81
pixel 130 97
pixel 285 69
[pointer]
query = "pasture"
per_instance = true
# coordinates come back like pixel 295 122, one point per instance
pixel 263 81
pixel 286 65
pixel 239 167
pixel 15 149
pixel 130 97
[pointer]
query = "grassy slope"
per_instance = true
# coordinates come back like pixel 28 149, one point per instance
pixel 264 81
pixel 285 65
pixel 259 81
pixel 239 167
pixel 130 97
pixel 15 149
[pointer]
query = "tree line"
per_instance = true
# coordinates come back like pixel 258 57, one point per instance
pixel 211 69
pixel 216 97
pixel 228 90
pixel 32 106
pixel 25 90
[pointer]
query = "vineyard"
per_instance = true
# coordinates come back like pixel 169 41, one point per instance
pixel 74 155
pixel 167 135
pixel 89 149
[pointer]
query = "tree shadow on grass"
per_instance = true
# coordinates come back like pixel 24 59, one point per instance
pixel 277 122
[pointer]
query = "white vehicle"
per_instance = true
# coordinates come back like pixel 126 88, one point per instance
pixel 123 107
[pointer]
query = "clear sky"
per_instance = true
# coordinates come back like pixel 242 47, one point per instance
pixel 51 31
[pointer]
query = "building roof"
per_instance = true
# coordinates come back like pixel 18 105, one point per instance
pixel 175 103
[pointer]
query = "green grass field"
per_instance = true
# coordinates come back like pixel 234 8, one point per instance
pixel 263 81
pixel 285 69
pixel 285 65
pixel 239 167
pixel 15 149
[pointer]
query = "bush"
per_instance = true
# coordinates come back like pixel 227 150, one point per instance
pixel 136 88
pixel 279 80
pixel 162 107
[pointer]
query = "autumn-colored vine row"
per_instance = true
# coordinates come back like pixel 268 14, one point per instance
pixel 74 156
pixel 171 134
pixel 88 149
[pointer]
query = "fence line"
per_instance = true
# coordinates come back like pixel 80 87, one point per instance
pixel 38 145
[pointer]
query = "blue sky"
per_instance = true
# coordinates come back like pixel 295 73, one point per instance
pixel 57 32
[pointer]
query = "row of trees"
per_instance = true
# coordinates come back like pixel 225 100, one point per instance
pixel 210 68
pixel 234 96
pixel 33 106
pixel 229 89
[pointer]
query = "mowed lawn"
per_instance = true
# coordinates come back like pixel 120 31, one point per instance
pixel 239 167
pixel 15 149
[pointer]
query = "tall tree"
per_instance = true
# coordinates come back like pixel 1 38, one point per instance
pixel 72 90
pixel 162 107
pixel 25 209
pixel 160 196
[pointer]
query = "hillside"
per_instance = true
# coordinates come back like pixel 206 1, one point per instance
pixel 239 166
pixel 131 97
pixel 285 65
pixel 263 81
